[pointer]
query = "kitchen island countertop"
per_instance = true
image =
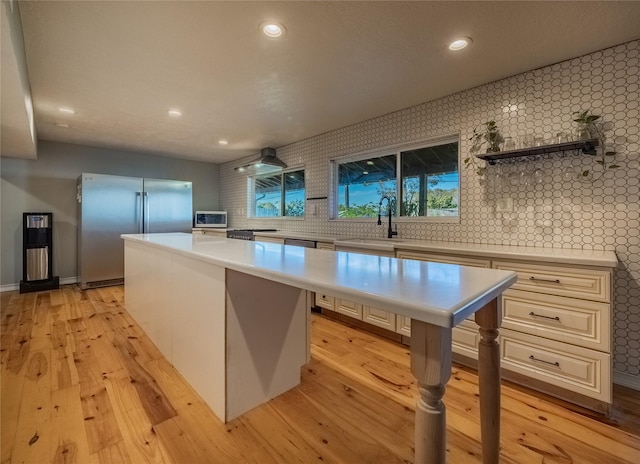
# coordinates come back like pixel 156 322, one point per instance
pixel 230 315
pixel 441 294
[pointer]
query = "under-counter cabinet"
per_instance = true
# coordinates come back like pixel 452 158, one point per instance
pixel 556 329
pixel 323 300
pixel 325 246
pixel 465 337
pixel 268 238
pixel 369 314
pixel 213 232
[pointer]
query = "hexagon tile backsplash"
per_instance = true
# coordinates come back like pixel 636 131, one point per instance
pixel 554 208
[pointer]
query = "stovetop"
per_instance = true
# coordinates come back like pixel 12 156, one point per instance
pixel 253 230
pixel 246 234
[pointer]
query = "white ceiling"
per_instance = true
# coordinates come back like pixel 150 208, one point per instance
pixel 122 65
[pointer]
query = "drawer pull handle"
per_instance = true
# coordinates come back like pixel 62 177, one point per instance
pixel 533 358
pixel 553 281
pixel 545 317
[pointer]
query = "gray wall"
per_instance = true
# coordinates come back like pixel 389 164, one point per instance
pixel 48 184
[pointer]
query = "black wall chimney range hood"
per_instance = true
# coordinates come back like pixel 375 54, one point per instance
pixel 267 161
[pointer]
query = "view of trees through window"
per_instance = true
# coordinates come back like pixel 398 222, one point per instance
pixel 362 183
pixel 279 194
pixel 429 183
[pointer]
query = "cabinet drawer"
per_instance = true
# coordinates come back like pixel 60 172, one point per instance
pixel 378 317
pixel 349 308
pixel 403 325
pixel 580 322
pixel 586 284
pixel 448 259
pixel 580 370
pixel 264 238
pixel 325 301
pixel 464 341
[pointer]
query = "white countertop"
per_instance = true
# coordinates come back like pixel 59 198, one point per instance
pixel 440 294
pixel 548 255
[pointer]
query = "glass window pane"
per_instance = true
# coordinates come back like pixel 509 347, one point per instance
pixel 294 193
pixel 361 184
pixel 268 196
pixel 430 181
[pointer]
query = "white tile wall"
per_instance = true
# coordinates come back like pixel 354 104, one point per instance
pixel 559 212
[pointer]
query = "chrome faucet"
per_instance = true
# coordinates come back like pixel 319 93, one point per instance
pixel 390 231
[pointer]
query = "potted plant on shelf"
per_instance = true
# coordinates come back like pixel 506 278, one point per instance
pixel 588 128
pixel 586 124
pixel 488 135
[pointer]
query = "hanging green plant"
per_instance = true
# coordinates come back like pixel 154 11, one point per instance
pixel 488 135
pixel 588 128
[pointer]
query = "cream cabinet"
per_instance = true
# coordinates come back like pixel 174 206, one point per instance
pixel 465 337
pixel 215 233
pixel 323 300
pixel 369 314
pixel 379 317
pixel 556 327
pixel 269 239
pixel 348 308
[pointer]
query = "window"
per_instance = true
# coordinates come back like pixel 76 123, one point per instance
pixel 430 182
pixel 276 195
pixel 362 183
pixel 428 187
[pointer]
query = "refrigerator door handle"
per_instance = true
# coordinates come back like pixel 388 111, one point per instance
pixel 145 195
pixel 139 211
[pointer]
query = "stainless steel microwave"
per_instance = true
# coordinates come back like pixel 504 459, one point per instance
pixel 211 219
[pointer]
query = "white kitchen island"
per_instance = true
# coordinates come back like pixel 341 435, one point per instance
pixel 232 317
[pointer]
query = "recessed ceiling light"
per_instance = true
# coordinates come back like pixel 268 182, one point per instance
pixel 223 142
pixel 174 113
pixel 66 110
pixel 273 30
pixel 460 43
pixel 59 124
pixel 370 163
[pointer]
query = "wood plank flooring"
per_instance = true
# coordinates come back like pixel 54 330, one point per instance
pixel 82 384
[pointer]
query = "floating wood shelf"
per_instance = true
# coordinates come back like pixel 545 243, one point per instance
pixel 587 146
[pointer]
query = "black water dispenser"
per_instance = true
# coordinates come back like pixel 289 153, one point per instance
pixel 37 258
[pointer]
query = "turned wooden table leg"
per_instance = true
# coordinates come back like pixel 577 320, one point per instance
pixel 489 319
pixel 431 366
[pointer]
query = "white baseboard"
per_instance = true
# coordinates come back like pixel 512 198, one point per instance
pixel 63 281
pixel 626 380
pixel 9 287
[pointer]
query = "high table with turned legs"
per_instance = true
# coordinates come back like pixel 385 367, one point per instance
pixel 243 337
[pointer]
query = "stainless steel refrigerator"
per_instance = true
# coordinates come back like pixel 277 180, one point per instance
pixel 113 205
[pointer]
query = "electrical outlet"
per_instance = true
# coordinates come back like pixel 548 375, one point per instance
pixel 504 205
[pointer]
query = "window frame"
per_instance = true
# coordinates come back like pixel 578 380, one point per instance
pixel 251 194
pixel 397 150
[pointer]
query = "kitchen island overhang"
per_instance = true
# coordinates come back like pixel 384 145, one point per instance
pixel 231 316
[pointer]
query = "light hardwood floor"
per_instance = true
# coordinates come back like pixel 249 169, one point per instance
pixel 81 383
